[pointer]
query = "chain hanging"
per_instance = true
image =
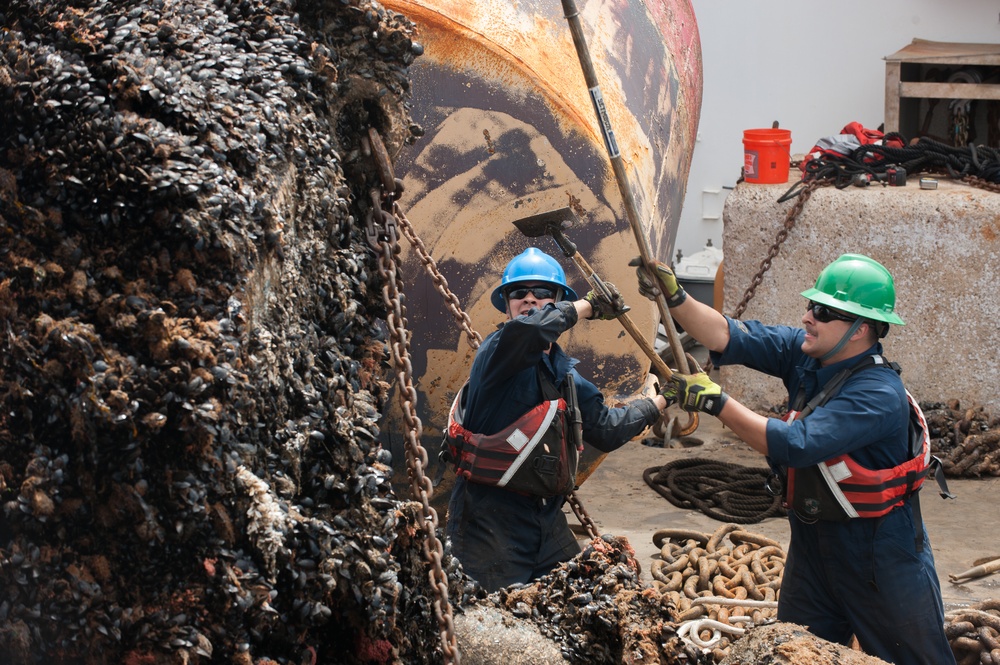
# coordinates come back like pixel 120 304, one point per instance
pixel 381 229
pixel 573 499
pixel 451 301
pixel 779 238
pixel 474 338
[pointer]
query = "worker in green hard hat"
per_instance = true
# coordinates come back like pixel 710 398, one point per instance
pixel 850 456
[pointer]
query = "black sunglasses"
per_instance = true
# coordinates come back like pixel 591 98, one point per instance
pixel 541 292
pixel 824 314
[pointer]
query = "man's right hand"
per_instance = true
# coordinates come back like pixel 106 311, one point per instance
pixel 697 392
pixel 660 280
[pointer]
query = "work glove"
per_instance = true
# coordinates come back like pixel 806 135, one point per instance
pixel 669 392
pixel 697 392
pixel 662 280
pixel 605 309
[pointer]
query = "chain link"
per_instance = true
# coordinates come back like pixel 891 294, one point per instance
pixel 979 183
pixel 451 301
pixel 581 514
pixel 416 455
pixel 765 265
pixel 381 230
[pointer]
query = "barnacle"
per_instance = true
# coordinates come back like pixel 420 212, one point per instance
pixel 192 368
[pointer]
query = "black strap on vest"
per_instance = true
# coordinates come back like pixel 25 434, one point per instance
pixel 833 386
pixel 574 419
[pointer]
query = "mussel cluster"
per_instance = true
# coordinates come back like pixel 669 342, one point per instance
pixel 192 363
pixel 598 611
pixel 967 439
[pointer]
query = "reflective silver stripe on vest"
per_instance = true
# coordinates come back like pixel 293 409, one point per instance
pixel 831 482
pixel 526 451
pixel 923 424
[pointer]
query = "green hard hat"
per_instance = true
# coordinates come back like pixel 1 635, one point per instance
pixel 857 284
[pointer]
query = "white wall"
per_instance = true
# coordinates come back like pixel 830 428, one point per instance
pixel 812 66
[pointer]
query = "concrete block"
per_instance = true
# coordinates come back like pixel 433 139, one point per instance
pixel 941 246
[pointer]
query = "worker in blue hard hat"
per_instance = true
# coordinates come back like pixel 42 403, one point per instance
pixel 516 429
pixel 851 455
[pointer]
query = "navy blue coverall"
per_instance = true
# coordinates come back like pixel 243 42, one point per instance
pixel 504 537
pixel 860 577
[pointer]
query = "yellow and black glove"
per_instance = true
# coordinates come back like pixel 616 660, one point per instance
pixel 662 280
pixel 697 392
pixel 605 309
pixel 669 392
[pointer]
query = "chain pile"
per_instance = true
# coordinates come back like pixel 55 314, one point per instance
pixel 974 633
pixel 720 583
pixel 967 440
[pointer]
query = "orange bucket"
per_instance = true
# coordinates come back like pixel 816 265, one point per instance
pixel 766 155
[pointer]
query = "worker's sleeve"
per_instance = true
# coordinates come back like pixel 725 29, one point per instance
pixel 773 350
pixel 609 428
pixel 865 414
pixel 520 343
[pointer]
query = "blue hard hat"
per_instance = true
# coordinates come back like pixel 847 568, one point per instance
pixel 531 265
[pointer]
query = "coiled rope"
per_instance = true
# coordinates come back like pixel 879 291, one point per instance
pixel 723 491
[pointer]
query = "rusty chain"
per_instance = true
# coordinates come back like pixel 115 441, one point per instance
pixel 581 514
pixel 440 283
pixel 980 183
pixel 779 238
pixel 383 237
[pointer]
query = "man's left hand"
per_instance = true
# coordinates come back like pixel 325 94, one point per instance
pixel 697 392
pixel 604 308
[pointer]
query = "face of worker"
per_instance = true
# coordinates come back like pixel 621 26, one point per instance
pixel 530 300
pixel 821 336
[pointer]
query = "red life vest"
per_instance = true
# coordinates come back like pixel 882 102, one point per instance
pixel 536 454
pixel 840 488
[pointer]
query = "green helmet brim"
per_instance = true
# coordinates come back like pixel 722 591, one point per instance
pixel 853 308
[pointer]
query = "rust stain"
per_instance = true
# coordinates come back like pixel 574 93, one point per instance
pixel 676 22
pixel 531 53
pixel 989 230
